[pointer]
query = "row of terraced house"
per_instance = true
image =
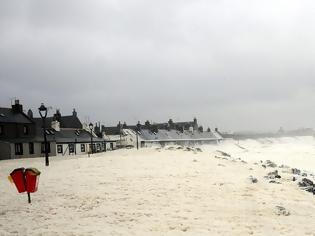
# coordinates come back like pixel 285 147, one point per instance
pixel 21 134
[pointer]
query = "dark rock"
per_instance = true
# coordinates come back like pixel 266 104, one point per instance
pixel 282 211
pixel 310 189
pixel 306 183
pixel 274 182
pixel 296 171
pixel 224 153
pixel 304 174
pixel 273 172
pixel 293 179
pixel 273 175
pixel 269 163
pixel 253 179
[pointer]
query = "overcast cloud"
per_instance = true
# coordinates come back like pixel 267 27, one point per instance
pixel 237 65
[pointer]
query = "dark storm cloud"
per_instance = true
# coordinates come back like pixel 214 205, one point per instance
pixel 233 64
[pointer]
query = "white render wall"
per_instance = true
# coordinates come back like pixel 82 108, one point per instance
pixel 65 148
pixel 129 138
pixel 108 145
pixel 77 148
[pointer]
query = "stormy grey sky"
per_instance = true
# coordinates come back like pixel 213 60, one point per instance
pixel 238 64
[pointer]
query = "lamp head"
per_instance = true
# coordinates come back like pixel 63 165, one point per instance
pixel 42 111
pixel 91 126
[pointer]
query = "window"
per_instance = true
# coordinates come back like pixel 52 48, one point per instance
pixel 31 148
pixel 82 147
pixel 59 148
pixel 43 147
pixel 18 149
pixel 1 130
pixel 25 129
pixel 71 148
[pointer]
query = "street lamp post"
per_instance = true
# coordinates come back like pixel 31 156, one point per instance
pixel 137 140
pixel 91 129
pixel 43 114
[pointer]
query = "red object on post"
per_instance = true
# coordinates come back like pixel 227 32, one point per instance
pixel 19 180
pixel 32 178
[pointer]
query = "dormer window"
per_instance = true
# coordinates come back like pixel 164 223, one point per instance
pixel 25 129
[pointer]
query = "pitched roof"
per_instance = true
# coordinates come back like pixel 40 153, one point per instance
pixel 64 136
pixel 112 130
pixel 67 122
pixel 8 116
pixel 172 135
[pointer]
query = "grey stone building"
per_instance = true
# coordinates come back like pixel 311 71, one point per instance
pixel 18 134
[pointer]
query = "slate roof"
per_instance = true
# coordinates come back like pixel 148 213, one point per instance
pixel 64 136
pixel 66 122
pixel 8 116
pixel 71 136
pixel 170 135
pixel 71 131
pixel 112 130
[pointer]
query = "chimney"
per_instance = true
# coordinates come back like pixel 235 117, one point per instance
pixel 195 124
pixel 55 125
pixel 30 113
pixel 57 115
pixel 195 121
pixel 17 107
pixel 138 127
pixel 74 113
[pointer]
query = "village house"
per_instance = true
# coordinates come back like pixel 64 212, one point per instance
pixel 18 134
pixel 110 141
pixel 68 135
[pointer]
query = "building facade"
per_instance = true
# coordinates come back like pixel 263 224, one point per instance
pixel 18 134
pixel 21 135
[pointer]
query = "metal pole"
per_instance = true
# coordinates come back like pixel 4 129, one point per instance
pixel 88 153
pixel 45 144
pixel 137 142
pixel 29 197
pixel 91 142
pixel 75 146
pixel 25 184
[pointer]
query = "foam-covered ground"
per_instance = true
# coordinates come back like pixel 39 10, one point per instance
pixel 166 191
pixel 297 152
